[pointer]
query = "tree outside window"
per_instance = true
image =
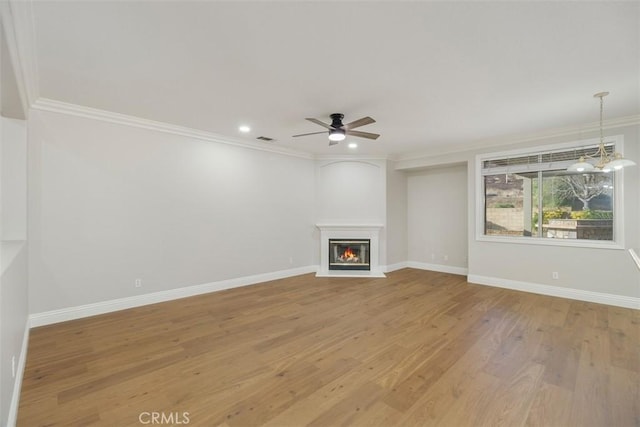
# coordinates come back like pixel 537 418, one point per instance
pixel 573 205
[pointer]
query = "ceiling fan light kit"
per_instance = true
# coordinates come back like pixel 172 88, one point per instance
pixel 336 135
pixel 338 131
pixel 603 161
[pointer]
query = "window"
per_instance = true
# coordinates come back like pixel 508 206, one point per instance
pixel 530 196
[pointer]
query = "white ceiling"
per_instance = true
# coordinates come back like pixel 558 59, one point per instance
pixel 433 74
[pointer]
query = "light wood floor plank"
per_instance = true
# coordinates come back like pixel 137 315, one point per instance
pixel 418 348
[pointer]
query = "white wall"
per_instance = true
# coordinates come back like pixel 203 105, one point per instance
pixel 9 96
pixel 352 191
pixel 607 271
pixel 13 257
pixel 13 320
pixel 13 180
pixel 396 229
pixel 111 203
pixel 13 235
pixel 437 216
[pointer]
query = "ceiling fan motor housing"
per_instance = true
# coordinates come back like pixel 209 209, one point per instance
pixel 336 120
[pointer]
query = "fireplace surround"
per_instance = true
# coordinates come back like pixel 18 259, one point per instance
pixel 348 250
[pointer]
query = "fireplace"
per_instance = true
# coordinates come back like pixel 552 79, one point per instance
pixel 350 250
pixel 349 254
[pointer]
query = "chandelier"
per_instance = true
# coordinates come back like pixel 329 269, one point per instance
pixel 600 161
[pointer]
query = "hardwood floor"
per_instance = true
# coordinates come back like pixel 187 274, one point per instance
pixel 417 348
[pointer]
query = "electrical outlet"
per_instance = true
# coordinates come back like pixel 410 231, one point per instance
pixel 290 260
pixel 138 283
pixel 446 258
pixel 555 275
pixel 13 366
pixel 433 257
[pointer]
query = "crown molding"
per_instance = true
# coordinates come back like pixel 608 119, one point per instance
pixel 358 157
pixel 54 106
pixel 51 105
pixel 19 29
pixel 519 139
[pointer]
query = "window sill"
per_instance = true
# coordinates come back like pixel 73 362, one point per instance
pixel 572 243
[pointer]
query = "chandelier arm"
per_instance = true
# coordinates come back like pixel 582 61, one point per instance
pixel 604 156
pixel 601 130
pixel 604 161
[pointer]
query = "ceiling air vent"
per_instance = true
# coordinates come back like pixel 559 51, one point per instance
pixel 265 138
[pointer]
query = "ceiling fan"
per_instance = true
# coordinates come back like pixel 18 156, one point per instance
pixel 338 131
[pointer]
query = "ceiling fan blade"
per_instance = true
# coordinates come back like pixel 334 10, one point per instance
pixel 360 122
pixel 332 143
pixel 367 135
pixel 318 122
pixel 312 133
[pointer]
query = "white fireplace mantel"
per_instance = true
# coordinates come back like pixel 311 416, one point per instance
pixel 355 231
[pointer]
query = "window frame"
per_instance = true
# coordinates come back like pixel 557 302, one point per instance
pixel 618 196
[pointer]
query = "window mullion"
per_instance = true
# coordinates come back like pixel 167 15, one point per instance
pixel 540 201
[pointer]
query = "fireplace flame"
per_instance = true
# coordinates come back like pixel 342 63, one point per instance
pixel 349 254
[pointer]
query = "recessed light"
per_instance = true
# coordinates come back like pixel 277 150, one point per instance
pixel 353 145
pixel 244 129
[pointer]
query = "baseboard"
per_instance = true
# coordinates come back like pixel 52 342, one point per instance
pixel 78 312
pixel 393 267
pixel 438 267
pixel 17 385
pixel 555 291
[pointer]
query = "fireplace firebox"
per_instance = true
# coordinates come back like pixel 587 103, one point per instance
pixel 349 254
